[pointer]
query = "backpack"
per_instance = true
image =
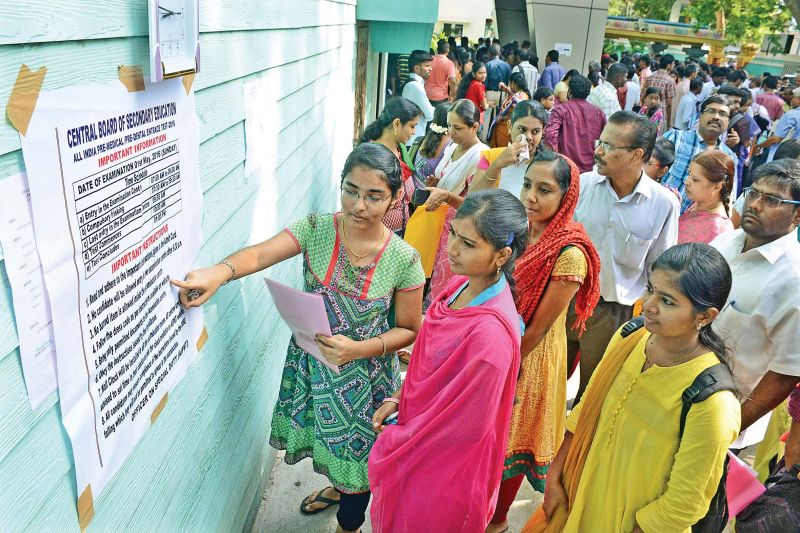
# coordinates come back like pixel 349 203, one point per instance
pixel 708 382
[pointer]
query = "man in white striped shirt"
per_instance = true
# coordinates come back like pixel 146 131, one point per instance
pixel 528 70
pixel 604 96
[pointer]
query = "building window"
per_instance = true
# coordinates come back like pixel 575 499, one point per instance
pixel 453 30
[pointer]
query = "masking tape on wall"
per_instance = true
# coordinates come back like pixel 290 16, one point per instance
pixel 23 97
pixel 131 77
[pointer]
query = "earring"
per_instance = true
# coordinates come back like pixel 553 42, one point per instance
pixel 498 272
pixel 699 327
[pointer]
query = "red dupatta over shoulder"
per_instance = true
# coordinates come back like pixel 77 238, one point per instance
pixel 439 468
pixel 535 266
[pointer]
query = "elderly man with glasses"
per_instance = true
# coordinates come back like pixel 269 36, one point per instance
pixel 760 323
pixel 631 220
pixel 715 114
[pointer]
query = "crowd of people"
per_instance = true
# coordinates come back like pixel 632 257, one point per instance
pixel 501 226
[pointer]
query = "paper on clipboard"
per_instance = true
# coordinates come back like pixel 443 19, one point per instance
pixel 305 314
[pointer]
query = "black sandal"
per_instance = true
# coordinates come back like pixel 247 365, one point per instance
pixel 319 498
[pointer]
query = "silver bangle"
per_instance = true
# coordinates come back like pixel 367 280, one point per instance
pixel 233 270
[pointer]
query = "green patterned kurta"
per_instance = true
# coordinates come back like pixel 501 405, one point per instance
pixel 320 414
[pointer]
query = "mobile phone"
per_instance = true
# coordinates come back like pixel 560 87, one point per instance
pixel 391 419
pixel 420 197
pixel 525 154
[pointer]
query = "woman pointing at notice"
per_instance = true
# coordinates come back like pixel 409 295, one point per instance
pixel 362 269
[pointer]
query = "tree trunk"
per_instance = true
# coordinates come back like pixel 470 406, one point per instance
pixel 794 8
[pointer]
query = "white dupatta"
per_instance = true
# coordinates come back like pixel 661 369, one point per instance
pixel 453 175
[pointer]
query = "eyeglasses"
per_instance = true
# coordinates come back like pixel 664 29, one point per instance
pixel 751 195
pixel 370 199
pixel 716 113
pixel 653 163
pixel 606 147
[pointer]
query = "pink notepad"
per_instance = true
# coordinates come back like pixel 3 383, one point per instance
pixel 742 485
pixel 304 313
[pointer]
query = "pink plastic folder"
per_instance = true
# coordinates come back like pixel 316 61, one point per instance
pixel 304 313
pixel 742 485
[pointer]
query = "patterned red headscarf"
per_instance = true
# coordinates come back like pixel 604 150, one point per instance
pixel 535 266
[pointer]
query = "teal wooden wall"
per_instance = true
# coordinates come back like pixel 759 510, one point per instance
pixel 199 467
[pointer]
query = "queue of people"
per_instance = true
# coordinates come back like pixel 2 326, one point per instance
pixel 503 268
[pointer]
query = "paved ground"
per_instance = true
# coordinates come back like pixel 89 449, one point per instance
pixel 280 509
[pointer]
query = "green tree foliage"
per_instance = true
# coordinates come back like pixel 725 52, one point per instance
pixel 649 9
pixel 746 21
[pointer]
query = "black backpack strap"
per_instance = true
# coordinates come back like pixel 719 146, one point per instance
pixel 710 381
pixel 632 325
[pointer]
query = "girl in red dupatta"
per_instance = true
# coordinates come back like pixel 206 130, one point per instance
pixel 558 263
pixel 439 467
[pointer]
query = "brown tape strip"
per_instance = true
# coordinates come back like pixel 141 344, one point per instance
pixel 131 77
pixel 159 408
pixel 188 80
pixel 202 340
pixel 23 97
pixel 85 507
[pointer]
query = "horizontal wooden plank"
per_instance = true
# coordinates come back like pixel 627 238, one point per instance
pixel 223 60
pixel 18 419
pixel 295 85
pixel 86 62
pixel 41 461
pixel 8 329
pixel 38 21
pixel 57 511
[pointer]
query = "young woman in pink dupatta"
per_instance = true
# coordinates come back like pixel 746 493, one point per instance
pixel 439 467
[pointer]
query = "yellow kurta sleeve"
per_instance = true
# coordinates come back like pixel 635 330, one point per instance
pixel 711 427
pixel 573 416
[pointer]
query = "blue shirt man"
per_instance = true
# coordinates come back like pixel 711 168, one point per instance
pixel 714 120
pixel 497 70
pixel 553 72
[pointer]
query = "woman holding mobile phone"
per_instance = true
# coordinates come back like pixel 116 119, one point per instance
pixel 505 167
pixel 362 270
pixel 438 468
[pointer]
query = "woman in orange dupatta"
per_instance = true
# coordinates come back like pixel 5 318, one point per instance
pixel 623 466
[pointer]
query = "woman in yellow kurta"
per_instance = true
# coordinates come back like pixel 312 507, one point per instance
pixel 622 466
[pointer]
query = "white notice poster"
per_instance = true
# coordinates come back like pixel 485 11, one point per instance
pixel 564 49
pixel 37 350
pixel 116 207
